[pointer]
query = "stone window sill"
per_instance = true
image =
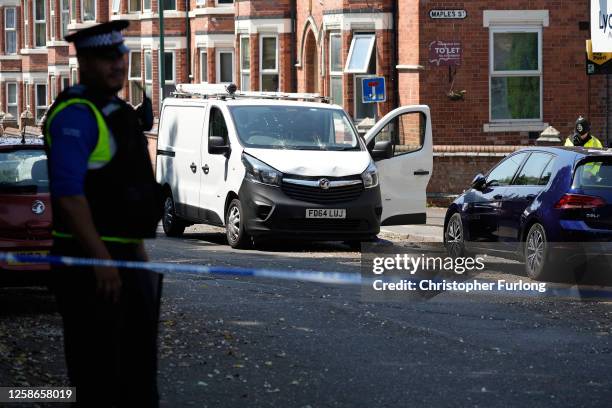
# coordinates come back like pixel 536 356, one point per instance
pixel 514 127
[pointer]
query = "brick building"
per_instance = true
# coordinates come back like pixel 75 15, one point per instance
pixel 522 63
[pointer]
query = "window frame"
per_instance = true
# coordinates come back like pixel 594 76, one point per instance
pixel 39 22
pixel 168 9
pixel 8 30
pixel 335 74
pixel 14 104
pixel 53 87
pixel 140 5
pixel 64 83
pixel 63 11
pixel 115 6
pixel 219 4
pixel 37 105
pixel 74 77
pixel 363 69
pixel 539 73
pixel 203 78
pixel 145 8
pixel 269 71
pixel 95 11
pixel 218 52
pixel 130 59
pixel 244 71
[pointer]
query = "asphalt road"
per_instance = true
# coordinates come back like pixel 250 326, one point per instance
pixel 236 342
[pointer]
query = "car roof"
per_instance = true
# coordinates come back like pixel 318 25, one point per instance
pixel 249 102
pixel 570 150
pixel 14 143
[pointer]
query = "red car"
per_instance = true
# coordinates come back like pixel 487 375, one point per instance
pixel 25 208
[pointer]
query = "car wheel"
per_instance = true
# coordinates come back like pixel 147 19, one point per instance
pixel 173 226
pixel 237 237
pixel 454 238
pixel 536 253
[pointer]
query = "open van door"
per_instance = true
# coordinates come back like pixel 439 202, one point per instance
pixel 402 147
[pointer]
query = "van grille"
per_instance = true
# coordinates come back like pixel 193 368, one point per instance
pixel 316 225
pixel 320 196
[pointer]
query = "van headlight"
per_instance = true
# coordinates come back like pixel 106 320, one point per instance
pixel 370 176
pixel 260 172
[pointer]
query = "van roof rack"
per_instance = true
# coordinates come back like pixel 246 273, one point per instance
pixel 225 92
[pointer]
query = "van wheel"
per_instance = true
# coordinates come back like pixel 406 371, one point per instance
pixel 234 226
pixel 173 226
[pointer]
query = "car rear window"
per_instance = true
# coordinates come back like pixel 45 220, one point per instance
pixel 23 171
pixel 593 174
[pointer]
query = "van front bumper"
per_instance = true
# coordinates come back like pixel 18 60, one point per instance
pixel 268 211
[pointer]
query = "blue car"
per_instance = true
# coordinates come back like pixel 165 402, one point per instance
pixel 533 203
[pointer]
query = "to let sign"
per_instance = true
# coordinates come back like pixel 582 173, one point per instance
pixel 448 14
pixel 445 53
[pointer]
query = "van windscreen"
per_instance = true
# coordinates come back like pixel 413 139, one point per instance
pixel 294 127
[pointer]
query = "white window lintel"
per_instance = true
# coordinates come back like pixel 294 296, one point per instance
pixel 516 17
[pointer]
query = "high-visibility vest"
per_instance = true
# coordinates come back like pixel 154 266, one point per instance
pixel 592 143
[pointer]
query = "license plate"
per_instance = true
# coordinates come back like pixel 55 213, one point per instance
pixel 325 213
pixel 27 253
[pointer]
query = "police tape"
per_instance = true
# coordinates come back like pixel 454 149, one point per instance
pixel 338 278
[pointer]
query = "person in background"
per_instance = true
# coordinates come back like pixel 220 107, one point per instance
pixel 582 135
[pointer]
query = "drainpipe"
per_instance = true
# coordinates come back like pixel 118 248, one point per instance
pixel 188 35
pixel 395 60
pixel 293 59
pixel 162 55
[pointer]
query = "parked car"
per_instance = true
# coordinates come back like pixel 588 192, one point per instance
pixel 25 209
pixel 286 166
pixel 536 200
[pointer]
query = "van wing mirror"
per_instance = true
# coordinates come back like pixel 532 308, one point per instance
pixel 218 145
pixel 479 182
pixel 382 150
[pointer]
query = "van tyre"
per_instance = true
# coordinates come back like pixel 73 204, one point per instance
pixel 173 226
pixel 237 237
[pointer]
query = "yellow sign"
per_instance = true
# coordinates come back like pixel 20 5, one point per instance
pixel 598 58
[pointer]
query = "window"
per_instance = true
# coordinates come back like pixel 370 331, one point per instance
pixel 225 1
pixel 10 28
pixel 40 24
pixel 169 73
pixel 41 101
pixel 116 6
pixel 12 105
pixel 26 24
pixel 531 173
pixel 363 110
pixel 203 66
pixel 503 174
pixel 53 86
pixel 134 6
pixel 405 132
pixel 73 15
pixel 148 73
pixel 65 83
pixel 88 10
pixel 360 54
pixel 52 20
pixel 516 74
pixel 73 76
pixel 65 17
pixel 169 4
pixel 245 64
pixel 335 68
pixel 547 173
pixel 269 63
pixel 135 77
pixel 217 126
pixel 146 5
pixel 225 66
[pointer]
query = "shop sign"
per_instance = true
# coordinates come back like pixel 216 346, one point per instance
pixel 442 53
pixel 601 25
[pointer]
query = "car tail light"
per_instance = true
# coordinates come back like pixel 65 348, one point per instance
pixel 579 201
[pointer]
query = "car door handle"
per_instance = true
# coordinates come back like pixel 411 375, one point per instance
pixel 193 167
pixel 421 173
pixel 205 169
pixel 498 197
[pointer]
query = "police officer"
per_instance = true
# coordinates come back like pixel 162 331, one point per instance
pixel 105 202
pixel 582 135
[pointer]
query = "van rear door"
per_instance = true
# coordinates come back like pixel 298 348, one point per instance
pixel 178 155
pixel 405 172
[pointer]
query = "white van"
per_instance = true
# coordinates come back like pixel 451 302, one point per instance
pixel 283 166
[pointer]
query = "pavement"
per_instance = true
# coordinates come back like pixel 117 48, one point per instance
pixel 432 231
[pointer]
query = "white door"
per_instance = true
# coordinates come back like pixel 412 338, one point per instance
pixel 406 168
pixel 182 127
pixel 215 169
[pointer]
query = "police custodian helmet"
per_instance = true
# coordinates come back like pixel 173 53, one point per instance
pixel 582 126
